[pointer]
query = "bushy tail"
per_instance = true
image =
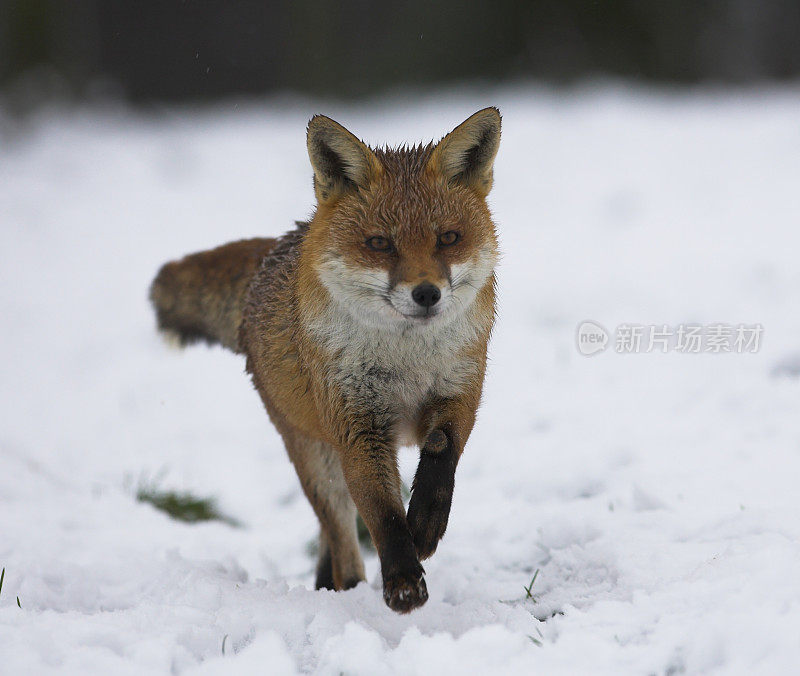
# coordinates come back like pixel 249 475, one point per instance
pixel 201 296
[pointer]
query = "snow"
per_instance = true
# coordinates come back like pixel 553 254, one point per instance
pixel 656 494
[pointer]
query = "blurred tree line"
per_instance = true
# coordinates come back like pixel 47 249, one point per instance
pixel 193 49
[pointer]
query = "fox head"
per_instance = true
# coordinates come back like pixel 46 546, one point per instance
pixel 404 236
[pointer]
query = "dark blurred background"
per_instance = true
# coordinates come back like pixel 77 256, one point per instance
pixel 174 51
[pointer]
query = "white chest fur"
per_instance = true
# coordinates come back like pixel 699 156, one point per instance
pixel 395 370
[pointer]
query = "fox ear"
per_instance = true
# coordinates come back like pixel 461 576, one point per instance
pixel 340 161
pixel 466 155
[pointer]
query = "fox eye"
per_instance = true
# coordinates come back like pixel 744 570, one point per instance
pixel 449 238
pixel 379 243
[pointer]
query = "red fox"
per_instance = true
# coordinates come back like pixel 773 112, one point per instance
pixel 364 329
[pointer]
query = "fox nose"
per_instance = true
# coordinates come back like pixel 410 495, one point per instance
pixel 426 294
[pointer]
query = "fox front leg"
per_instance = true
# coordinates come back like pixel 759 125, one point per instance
pixel 369 461
pixel 432 493
pixel 432 490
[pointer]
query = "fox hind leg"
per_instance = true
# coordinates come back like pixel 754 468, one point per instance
pixel 324 565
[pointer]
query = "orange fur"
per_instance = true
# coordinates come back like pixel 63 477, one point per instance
pixel 350 356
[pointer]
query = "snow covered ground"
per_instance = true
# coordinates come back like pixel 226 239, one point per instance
pixel 656 494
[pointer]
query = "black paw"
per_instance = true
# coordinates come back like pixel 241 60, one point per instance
pixel 351 582
pixel 432 495
pixel 428 513
pixel 406 590
pixel 325 572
